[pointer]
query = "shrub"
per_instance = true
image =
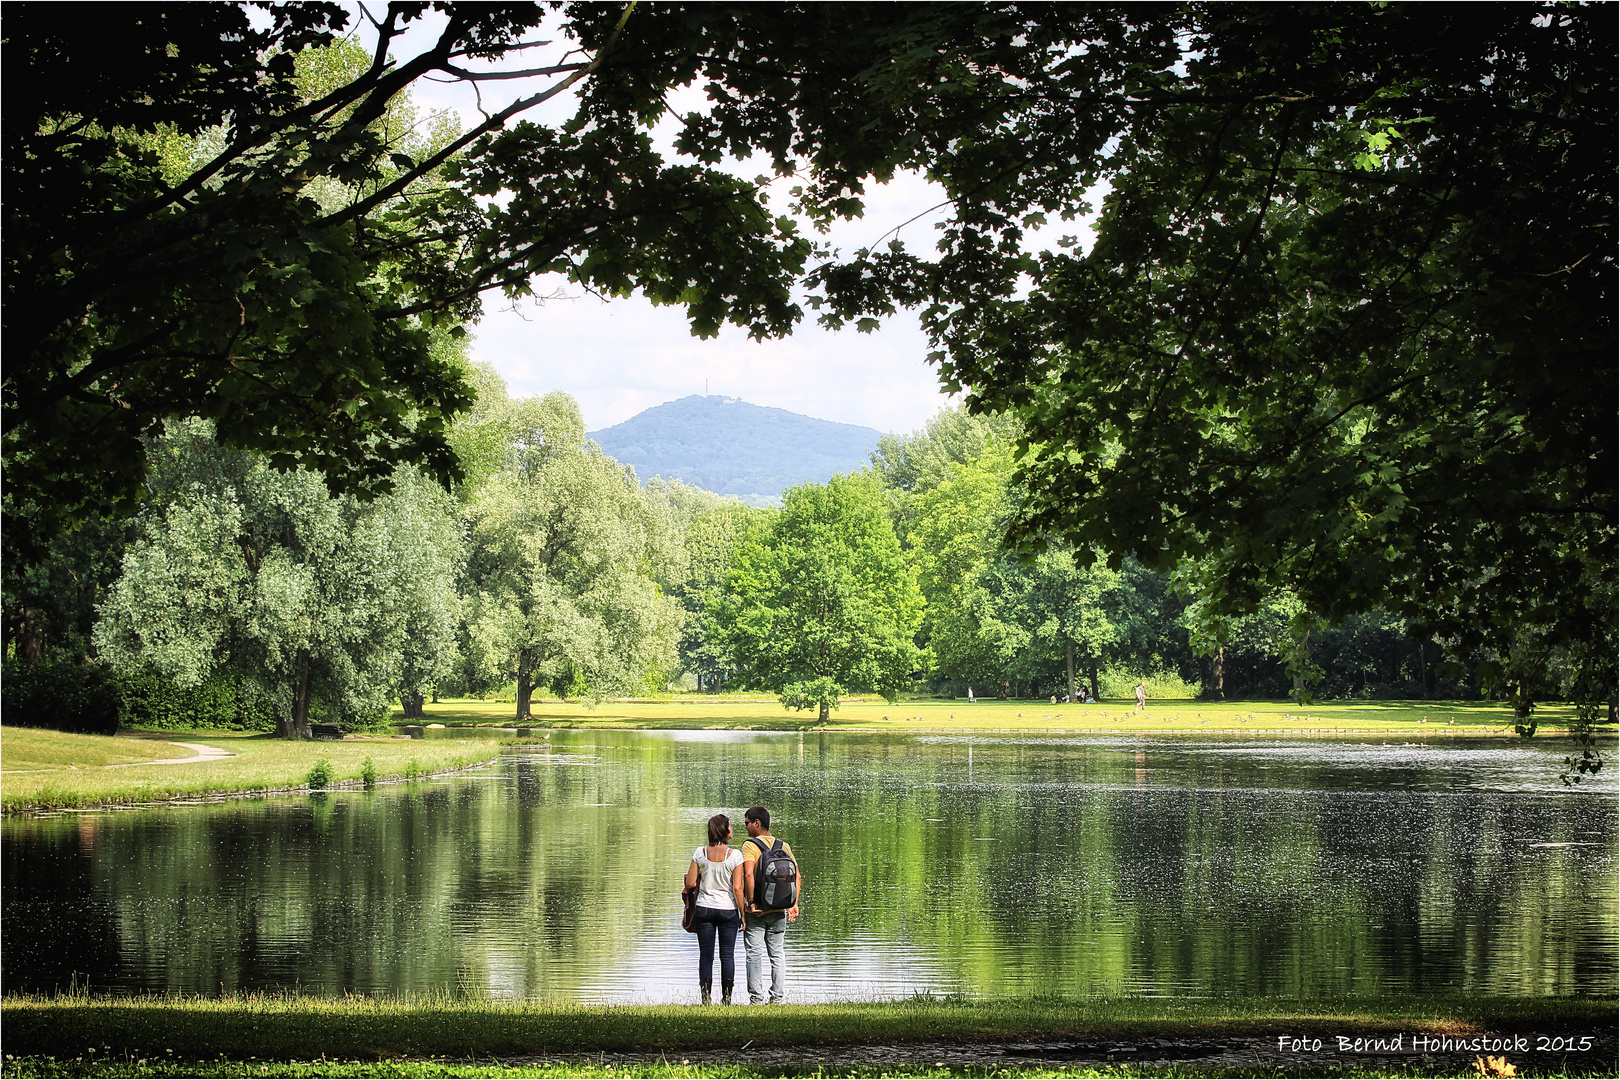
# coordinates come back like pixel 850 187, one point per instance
pixel 63 694
pixel 320 774
pixel 149 700
pixel 413 769
pixel 1119 683
pixel 368 774
pixel 363 721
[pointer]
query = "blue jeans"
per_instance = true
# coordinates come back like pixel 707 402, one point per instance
pixel 721 923
pixel 764 937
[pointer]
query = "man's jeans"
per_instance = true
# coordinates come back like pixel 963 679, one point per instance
pixel 765 935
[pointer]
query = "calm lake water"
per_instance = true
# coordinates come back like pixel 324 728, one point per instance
pixel 982 865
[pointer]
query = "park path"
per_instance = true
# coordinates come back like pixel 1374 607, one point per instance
pixel 203 753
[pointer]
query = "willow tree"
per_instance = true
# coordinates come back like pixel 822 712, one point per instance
pixel 566 556
pixel 308 599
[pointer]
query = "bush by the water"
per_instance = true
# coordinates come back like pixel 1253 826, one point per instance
pixel 61 693
pixel 320 774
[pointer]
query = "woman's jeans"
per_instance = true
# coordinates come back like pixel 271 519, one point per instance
pixel 712 922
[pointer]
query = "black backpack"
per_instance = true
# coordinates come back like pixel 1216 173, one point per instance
pixel 776 878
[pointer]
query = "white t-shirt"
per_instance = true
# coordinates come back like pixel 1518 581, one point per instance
pixel 714 879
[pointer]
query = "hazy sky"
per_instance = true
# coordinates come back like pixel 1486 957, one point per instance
pixel 622 356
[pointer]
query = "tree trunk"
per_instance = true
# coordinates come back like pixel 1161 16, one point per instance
pixel 1423 668
pixel 1220 674
pixel 296 726
pixel 824 712
pixel 435 693
pixel 525 682
pixel 412 704
pixel 525 691
pixel 1069 656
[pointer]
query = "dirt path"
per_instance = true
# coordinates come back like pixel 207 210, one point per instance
pixel 203 753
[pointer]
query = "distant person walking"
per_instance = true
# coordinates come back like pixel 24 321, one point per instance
pixel 1141 695
pixel 717 873
pixel 970 695
pixel 767 916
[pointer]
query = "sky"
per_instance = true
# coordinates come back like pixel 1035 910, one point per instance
pixel 618 357
pixel 621 356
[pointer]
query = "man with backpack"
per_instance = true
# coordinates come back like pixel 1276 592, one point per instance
pixel 773 889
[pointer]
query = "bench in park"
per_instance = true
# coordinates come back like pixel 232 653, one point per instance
pixel 325 731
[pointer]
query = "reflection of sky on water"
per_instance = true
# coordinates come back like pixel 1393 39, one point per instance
pixel 1447 763
pixel 663 968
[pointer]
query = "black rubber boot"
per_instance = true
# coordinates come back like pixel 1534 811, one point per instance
pixel 725 993
pixel 706 988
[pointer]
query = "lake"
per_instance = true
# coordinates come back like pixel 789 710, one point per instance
pixel 983 864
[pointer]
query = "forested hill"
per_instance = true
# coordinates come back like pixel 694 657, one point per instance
pixel 734 448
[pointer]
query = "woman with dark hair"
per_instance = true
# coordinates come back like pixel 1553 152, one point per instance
pixel 717 873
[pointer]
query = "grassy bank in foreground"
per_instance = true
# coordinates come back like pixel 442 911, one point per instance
pixel 66 771
pixel 242 1036
pixel 1411 717
pixel 562 1070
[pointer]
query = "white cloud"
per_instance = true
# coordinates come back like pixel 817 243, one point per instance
pixel 624 356
pixel 621 356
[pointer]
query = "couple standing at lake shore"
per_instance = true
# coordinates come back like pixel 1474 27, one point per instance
pixel 732 896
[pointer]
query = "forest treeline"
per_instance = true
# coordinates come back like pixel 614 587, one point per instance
pixel 246 596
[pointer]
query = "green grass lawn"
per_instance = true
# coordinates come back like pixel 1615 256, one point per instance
pixel 36 750
pixel 259 763
pixel 287 1035
pixel 1472 717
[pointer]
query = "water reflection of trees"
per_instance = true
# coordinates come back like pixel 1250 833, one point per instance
pixel 1077 869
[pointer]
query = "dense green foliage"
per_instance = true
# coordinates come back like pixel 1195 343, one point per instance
pixel 249 222
pixel 1337 369
pixel 1346 329
pixel 576 580
pixel 62 693
pixel 309 601
pixel 148 700
pixel 825 601
pixel 710 542
pixel 567 555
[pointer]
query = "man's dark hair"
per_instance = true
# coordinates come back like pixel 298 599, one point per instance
pixel 759 814
pixel 719 826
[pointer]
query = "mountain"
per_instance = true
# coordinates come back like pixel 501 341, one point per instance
pixel 734 448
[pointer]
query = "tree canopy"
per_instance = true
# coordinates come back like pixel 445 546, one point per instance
pixel 567 557
pixel 315 601
pixel 824 602
pixel 1347 325
pixel 1345 330
pixel 198 224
